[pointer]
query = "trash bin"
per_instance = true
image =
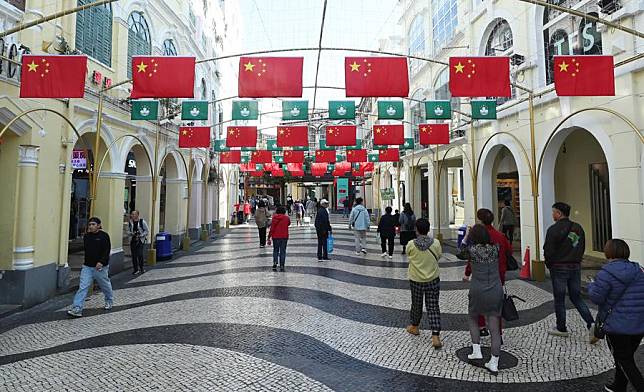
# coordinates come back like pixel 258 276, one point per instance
pixel 461 235
pixel 164 246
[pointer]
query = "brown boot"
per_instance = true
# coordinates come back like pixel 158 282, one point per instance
pixel 436 342
pixel 413 329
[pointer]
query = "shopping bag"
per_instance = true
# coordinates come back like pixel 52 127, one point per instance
pixel 509 311
pixel 329 244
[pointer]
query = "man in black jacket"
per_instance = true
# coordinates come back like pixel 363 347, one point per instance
pixel 563 251
pixel 387 230
pixel 97 256
pixel 323 229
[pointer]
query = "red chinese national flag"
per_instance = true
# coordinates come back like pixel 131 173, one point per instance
pixel 356 156
pixel 230 157
pixel 270 77
pixel 389 155
pixel 247 167
pixel 434 134
pixel 327 156
pixel 293 156
pixel 341 169
pixel 368 167
pixel 241 136
pixel 318 169
pixel 163 77
pixel 584 76
pixel 376 76
pixel 257 173
pixel 293 136
pixel 192 137
pixel 295 169
pixel 389 134
pixel 53 76
pixel 261 156
pixel 479 76
pixel 341 135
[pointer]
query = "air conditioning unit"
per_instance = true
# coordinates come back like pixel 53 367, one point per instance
pixel 609 6
pixel 517 59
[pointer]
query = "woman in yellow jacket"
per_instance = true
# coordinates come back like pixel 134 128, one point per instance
pixel 423 254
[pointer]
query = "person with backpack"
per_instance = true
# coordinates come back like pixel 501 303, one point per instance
pixel 423 272
pixel 138 232
pixel 618 291
pixel 262 218
pixel 407 226
pixel 323 229
pixel 279 234
pixel 359 221
pixel 563 251
pixel 387 230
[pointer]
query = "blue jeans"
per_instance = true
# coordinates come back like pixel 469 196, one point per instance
pixel 279 250
pixel 570 279
pixel 345 212
pixel 87 277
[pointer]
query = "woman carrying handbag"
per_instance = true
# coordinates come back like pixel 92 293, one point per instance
pixel 619 292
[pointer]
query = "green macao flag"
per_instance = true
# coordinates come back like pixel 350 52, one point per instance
pixel 220 146
pixel 391 110
pixel 271 145
pixel 278 159
pixel 484 109
pixel 380 147
pixel 358 145
pixel 248 148
pixel 438 110
pixel 145 110
pixel 330 167
pixel 342 110
pixel 300 148
pixel 295 110
pixel 374 157
pixel 245 158
pixel 259 166
pixel 409 144
pixel 194 110
pixel 323 145
pixel 340 158
pixel 245 110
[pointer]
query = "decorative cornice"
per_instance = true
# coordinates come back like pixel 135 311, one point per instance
pixel 28 155
pixel 117 175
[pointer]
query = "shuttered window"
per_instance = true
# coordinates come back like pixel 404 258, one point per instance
pixel 138 39
pixel 94 32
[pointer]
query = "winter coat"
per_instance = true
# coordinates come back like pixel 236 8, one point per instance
pixel 359 218
pixel 423 254
pixel 387 226
pixel 407 222
pixel 565 245
pixel 279 226
pixel 261 217
pixel 322 223
pixel 142 228
pixel 609 290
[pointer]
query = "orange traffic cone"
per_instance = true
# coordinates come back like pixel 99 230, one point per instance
pixel 525 270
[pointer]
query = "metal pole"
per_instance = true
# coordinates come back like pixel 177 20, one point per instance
pixel 186 239
pixel 93 174
pixel 152 252
pixel 437 190
pixel 475 172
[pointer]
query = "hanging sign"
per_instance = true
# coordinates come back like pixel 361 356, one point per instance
pixel 79 159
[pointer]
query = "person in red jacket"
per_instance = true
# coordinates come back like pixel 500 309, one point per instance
pixel 246 211
pixel 279 233
pixel 486 217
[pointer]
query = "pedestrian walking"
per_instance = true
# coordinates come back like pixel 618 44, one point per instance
pixel 279 235
pixel 407 223
pixel 359 221
pixel 299 212
pixel 563 251
pixel 262 219
pixel 253 205
pixel 345 204
pixel 387 230
pixel 486 294
pixel 507 221
pixel 138 232
pixel 423 272
pixel 323 229
pixel 289 204
pixel 246 211
pixel 97 247
pixel 618 291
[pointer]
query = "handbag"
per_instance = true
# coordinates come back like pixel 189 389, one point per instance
pixel 509 311
pixel 600 321
pixel 511 262
pixel 329 243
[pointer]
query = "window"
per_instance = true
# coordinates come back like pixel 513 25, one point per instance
pixel 416 43
pixel 444 22
pixel 168 48
pixel 138 39
pixel 20 4
pixel 94 32
pixel 416 115
pixel 499 43
pixel 565 34
pixel 204 89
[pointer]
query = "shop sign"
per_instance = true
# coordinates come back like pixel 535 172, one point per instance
pixel 79 159
pixel 387 194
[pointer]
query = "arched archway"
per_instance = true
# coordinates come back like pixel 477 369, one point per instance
pixel 172 197
pixel 196 198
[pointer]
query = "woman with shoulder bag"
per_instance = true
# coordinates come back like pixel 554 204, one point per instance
pixel 407 226
pixel 618 290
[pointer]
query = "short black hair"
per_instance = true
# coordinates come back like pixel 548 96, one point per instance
pixel 280 210
pixel 485 216
pixel 422 226
pixel 95 220
pixel 478 235
pixel 388 210
pixel 562 207
pixel 261 203
pixel 617 249
pixel 358 200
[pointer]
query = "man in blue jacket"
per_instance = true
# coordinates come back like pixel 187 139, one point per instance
pixel 360 221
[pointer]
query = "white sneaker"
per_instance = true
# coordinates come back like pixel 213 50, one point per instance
pixel 556 332
pixel 384 254
pixel 390 257
pixel 476 352
pixel 358 253
pixel 493 365
pixel 364 251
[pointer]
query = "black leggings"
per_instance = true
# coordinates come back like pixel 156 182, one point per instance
pixel 262 236
pixel 623 348
pixel 387 242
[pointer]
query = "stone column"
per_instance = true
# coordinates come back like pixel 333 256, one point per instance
pixel 196 204
pixel 110 209
pixel 23 252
